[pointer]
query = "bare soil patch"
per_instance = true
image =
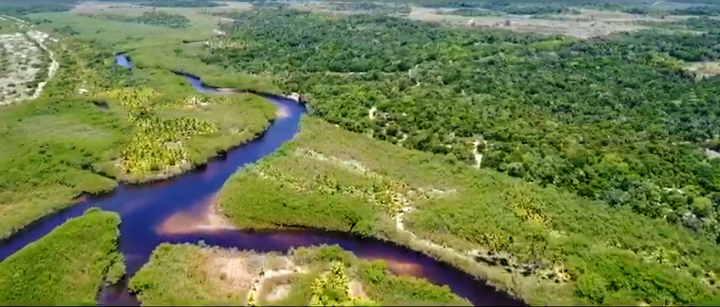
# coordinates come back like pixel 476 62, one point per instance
pixel 588 23
pixel 202 217
pixel 20 60
pixel 704 69
pixel 279 292
pixel 231 270
pixel 355 290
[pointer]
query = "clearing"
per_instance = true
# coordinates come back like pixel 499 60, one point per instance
pixel 588 23
pixel 703 69
pixel 21 59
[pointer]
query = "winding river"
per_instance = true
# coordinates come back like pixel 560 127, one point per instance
pixel 144 207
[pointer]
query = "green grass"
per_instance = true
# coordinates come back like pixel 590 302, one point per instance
pixel 585 251
pixel 68 266
pixel 8 26
pixel 124 36
pixel 190 274
pixel 175 276
pixel 158 47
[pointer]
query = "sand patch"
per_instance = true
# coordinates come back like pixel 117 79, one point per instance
pixel 278 292
pixel 233 271
pixel 20 60
pixel 401 267
pixel 245 271
pixel 356 291
pixel 282 112
pixel 203 217
pixel 704 69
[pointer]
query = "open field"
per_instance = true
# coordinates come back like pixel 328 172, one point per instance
pixel 155 46
pixel 189 274
pixel 583 24
pixel 66 267
pixel 588 23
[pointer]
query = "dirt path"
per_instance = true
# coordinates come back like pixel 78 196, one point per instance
pixel 40 38
pixel 478 156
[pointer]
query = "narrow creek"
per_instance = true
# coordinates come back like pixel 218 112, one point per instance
pixel 143 208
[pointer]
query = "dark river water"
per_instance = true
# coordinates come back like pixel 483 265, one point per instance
pixel 144 207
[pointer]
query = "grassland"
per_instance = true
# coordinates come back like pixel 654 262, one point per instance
pixel 547 246
pixel 66 267
pixel 190 274
pixel 155 46
pixel 96 124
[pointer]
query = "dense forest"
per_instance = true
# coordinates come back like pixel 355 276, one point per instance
pixel 614 118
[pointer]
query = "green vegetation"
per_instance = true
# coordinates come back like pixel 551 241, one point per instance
pixel 705 10
pixel 155 47
pixel 508 7
pixel 20 8
pixel 616 199
pixel 616 119
pixel 546 245
pixel 698 24
pixel 155 18
pixel 319 276
pixel 63 145
pixel 66 267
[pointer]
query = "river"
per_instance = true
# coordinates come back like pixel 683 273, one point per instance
pixel 143 207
